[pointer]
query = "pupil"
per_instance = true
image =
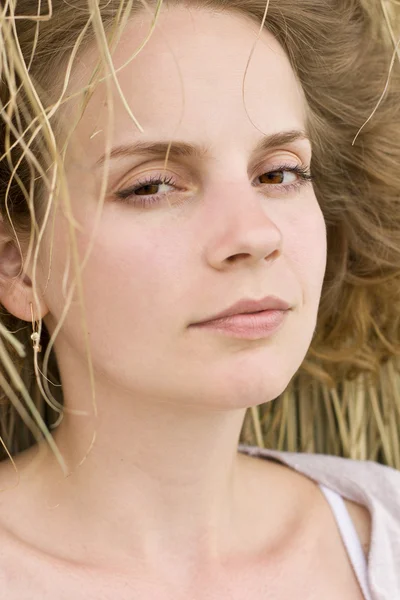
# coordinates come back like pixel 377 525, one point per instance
pixel 273 177
pixel 151 188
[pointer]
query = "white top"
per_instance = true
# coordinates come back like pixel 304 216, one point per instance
pixel 350 538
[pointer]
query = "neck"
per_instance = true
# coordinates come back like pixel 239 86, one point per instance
pixel 163 488
pixel 160 480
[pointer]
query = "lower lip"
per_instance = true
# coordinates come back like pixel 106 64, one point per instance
pixel 252 326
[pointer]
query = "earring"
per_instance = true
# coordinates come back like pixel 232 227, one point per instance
pixel 35 335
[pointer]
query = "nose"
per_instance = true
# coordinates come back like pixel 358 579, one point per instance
pixel 241 227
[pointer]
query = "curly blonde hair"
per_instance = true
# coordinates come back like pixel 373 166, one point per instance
pixel 345 397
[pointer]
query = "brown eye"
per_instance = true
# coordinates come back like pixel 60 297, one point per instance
pixel 147 189
pixel 276 181
pixel 275 177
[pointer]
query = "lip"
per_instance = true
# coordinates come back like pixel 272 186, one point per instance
pixel 248 305
pixel 252 326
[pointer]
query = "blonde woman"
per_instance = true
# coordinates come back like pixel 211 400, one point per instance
pixel 193 197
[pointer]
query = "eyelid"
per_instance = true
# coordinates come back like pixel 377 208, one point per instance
pixel 276 162
pixel 194 163
pixel 131 177
pixel 303 172
pixel 193 173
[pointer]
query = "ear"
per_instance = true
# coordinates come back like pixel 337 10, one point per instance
pixel 16 291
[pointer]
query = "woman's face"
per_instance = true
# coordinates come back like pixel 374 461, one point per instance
pixel 230 231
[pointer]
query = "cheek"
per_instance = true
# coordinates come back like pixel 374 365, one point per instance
pixel 306 248
pixel 133 272
pixel 131 290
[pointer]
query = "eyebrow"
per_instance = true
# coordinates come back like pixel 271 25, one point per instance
pixel 180 149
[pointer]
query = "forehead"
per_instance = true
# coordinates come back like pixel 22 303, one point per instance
pixel 187 82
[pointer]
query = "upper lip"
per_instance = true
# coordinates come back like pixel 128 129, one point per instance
pixel 248 305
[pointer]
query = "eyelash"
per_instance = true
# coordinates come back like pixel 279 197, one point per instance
pixel 125 195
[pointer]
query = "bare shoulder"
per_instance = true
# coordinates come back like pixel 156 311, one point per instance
pixel 308 491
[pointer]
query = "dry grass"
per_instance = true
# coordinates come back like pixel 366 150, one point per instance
pixel 358 419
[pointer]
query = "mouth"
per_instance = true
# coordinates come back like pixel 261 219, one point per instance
pixel 256 325
pixel 250 305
